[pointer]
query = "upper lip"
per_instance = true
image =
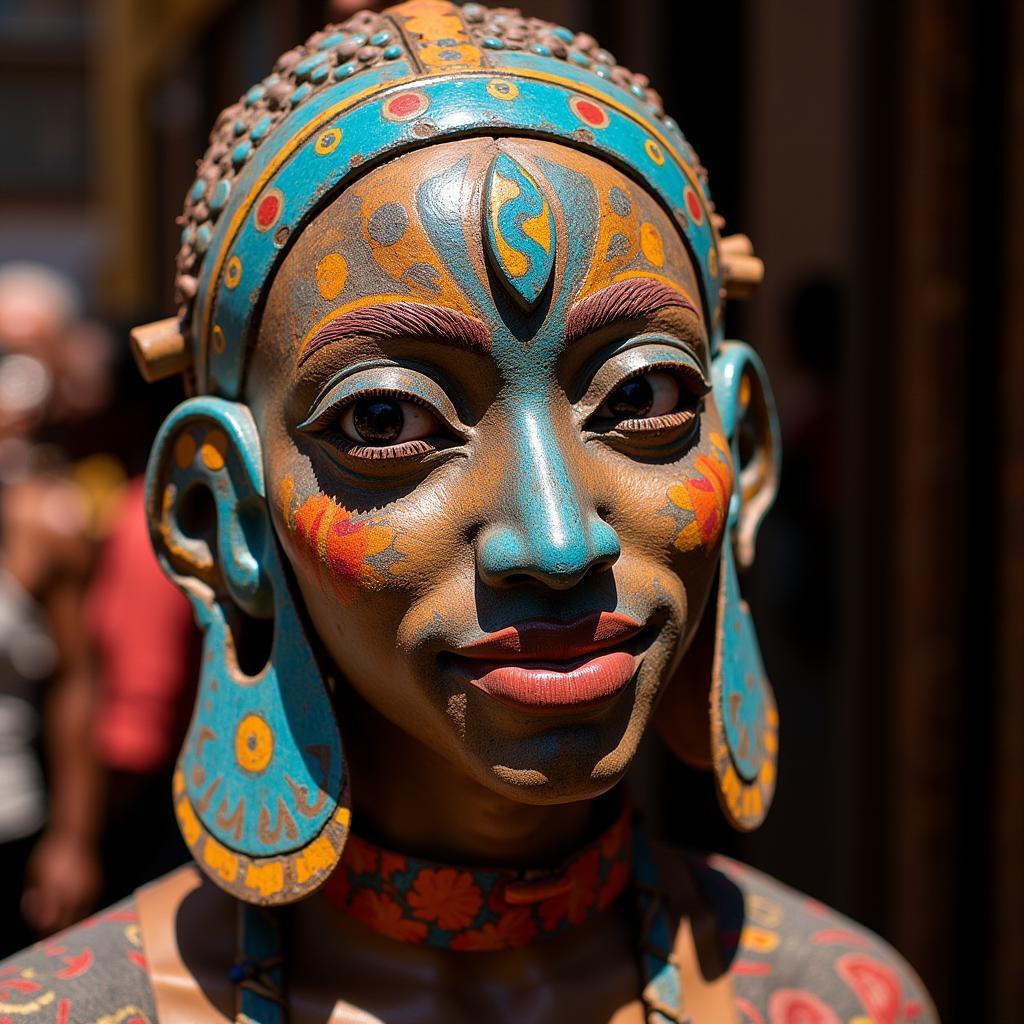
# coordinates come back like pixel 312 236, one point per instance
pixel 545 640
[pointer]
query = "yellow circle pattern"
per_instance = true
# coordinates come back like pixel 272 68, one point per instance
pixel 254 743
pixel 501 89
pixel 651 245
pixel 233 272
pixel 331 275
pixel 328 141
pixel 655 152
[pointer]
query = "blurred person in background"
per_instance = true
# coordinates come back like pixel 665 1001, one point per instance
pixel 48 818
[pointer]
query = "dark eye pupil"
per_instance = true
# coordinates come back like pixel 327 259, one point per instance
pixel 632 399
pixel 378 420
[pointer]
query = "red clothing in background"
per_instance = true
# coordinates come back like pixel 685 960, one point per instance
pixel 148 647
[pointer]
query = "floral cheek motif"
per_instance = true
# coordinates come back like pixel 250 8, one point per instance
pixel 338 547
pixel 704 498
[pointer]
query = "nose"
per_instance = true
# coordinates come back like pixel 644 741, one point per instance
pixel 546 527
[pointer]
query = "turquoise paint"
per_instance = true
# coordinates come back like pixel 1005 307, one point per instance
pixel 743 679
pixel 457 106
pixel 288 694
pixel 504 220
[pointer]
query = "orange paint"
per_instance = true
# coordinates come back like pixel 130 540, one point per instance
pixel 335 544
pixel 707 496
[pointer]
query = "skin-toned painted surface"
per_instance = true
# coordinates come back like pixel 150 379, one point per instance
pixel 520 488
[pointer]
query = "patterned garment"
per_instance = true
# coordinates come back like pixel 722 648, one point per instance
pixel 791 961
pixel 94 973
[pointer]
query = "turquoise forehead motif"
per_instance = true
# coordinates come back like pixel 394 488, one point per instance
pixel 441 72
pixel 519 231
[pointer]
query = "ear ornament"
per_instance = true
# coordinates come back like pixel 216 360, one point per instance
pixel 744 718
pixel 261 786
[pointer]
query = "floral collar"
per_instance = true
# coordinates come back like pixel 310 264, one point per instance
pixel 427 903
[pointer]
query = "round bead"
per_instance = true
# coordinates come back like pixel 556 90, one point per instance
pixel 238 128
pixel 493 43
pixel 241 153
pixel 638 92
pixel 317 75
pixel 380 39
pixel 300 94
pixel 254 95
pixel 344 71
pixel 198 190
pixel 602 72
pixel 565 34
pixel 579 58
pixel 541 51
pixel 359 38
pixel 392 53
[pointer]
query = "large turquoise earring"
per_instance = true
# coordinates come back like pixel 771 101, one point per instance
pixel 744 718
pixel 261 786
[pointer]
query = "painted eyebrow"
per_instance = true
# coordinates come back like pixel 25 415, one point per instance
pixel 623 300
pixel 403 320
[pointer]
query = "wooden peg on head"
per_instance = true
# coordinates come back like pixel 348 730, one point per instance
pixel 742 271
pixel 160 349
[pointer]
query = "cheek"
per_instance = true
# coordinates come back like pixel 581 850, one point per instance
pixel 699 502
pixel 343 552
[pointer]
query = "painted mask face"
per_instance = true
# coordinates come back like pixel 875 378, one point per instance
pixel 494 462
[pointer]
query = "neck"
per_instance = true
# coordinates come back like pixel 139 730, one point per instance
pixel 410 799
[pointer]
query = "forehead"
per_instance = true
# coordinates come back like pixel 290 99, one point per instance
pixel 513 233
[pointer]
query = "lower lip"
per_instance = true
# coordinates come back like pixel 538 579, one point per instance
pixel 592 681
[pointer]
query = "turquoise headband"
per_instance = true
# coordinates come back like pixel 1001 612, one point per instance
pixel 285 159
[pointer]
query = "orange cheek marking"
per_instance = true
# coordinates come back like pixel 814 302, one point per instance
pixel 707 496
pixel 335 545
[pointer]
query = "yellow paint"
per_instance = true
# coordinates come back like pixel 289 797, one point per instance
pixel 185 449
pixel 319 856
pixel 503 191
pixel 744 391
pixel 759 940
pixel 655 152
pixel 343 817
pixel 287 490
pixel 328 141
pixel 119 1016
pixel 431 21
pixel 539 228
pixel 266 879
pixel 503 89
pixel 188 822
pixel 651 244
pixel 24 1009
pixel 218 341
pixel 233 272
pixel 254 743
pixel 213 449
pixel 331 275
pixel 200 561
pixel 220 860
pixel 713 261
pixel 178 784
pixel 764 912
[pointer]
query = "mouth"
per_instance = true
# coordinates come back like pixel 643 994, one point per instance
pixel 551 667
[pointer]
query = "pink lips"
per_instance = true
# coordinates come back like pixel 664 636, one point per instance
pixel 551 666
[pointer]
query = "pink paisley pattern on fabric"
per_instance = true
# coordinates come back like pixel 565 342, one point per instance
pixel 418 901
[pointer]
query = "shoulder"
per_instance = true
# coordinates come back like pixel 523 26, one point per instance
pixel 93 971
pixel 791 958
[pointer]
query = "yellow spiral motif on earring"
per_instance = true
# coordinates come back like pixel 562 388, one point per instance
pixel 233 272
pixel 254 743
pixel 217 340
pixel 651 244
pixel 328 141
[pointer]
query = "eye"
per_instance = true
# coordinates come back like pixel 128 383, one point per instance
pixel 644 397
pixel 381 421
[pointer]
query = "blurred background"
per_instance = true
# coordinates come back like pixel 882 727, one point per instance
pixel 869 148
